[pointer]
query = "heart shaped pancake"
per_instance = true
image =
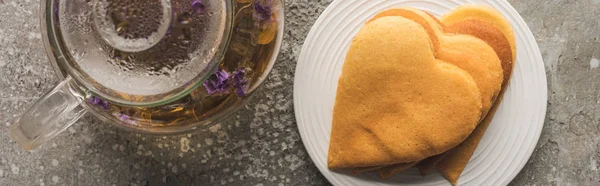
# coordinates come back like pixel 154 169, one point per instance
pixel 476 46
pixel 467 52
pixel 396 102
pixel 489 26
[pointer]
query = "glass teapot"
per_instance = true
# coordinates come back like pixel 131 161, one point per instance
pixel 152 66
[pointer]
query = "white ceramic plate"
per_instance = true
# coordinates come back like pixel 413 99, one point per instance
pixel 509 140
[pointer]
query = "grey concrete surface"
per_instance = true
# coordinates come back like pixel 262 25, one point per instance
pixel 260 145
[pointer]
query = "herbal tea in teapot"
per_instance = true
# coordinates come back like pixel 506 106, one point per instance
pixel 155 66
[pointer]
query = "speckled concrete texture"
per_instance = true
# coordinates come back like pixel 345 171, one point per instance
pixel 568 33
pixel 260 144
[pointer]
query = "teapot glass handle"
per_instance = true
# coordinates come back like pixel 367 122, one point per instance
pixel 52 114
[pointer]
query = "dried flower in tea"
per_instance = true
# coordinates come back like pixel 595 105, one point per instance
pixel 219 83
pixel 240 82
pixel 99 102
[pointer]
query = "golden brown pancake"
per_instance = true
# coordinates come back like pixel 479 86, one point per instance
pixel 500 44
pixel 488 30
pixel 485 14
pixel 477 58
pixel 396 102
pixel 492 36
pixel 465 51
pixel 500 39
pixel 413 14
pixel 497 54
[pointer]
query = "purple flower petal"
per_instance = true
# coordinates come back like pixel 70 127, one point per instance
pixel 198 6
pixel 219 83
pixel 262 11
pixel 240 82
pixel 93 100
pixel 105 105
pixel 124 117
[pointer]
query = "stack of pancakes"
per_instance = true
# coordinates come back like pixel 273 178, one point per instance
pixel 420 91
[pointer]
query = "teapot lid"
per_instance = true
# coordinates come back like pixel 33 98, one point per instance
pixel 141 52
